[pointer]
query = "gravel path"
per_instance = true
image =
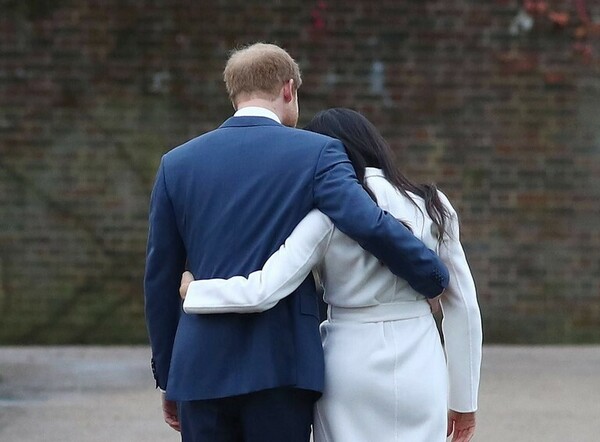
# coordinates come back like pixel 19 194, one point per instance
pixel 94 394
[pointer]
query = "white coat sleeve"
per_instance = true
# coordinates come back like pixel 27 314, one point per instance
pixel 461 324
pixel 283 272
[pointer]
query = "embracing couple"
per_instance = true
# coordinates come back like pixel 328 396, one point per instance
pixel 263 216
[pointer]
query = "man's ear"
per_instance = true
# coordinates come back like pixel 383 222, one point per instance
pixel 288 90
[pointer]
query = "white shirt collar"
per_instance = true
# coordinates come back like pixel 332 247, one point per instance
pixel 255 111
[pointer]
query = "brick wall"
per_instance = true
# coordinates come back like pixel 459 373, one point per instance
pixel 497 106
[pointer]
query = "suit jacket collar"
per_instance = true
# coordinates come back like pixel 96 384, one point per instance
pixel 249 121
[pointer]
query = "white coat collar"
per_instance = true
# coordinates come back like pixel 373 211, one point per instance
pixel 373 171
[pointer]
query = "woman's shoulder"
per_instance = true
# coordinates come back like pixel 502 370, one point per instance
pixel 446 202
pixel 380 185
pixel 376 179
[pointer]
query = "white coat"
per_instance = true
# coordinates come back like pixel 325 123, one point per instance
pixel 387 377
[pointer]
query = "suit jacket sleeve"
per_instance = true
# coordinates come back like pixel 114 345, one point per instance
pixel 338 194
pixel 283 273
pixel 461 324
pixel 165 262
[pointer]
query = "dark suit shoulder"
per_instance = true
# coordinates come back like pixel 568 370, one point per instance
pixel 313 136
pixel 187 153
pixel 192 144
pixel 307 138
pixel 298 143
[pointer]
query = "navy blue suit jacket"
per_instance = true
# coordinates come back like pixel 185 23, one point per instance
pixel 222 203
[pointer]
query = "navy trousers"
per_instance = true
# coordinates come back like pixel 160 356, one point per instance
pixel 275 415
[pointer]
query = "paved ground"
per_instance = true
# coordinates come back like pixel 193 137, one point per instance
pixel 105 394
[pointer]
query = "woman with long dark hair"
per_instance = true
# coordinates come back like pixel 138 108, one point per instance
pixel 387 377
pixel 366 148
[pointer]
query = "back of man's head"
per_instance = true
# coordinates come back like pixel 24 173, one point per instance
pixel 259 71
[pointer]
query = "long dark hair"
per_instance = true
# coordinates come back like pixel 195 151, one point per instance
pixel 366 147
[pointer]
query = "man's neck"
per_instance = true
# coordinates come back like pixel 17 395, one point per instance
pixel 257 102
pixel 271 105
pixel 256 111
